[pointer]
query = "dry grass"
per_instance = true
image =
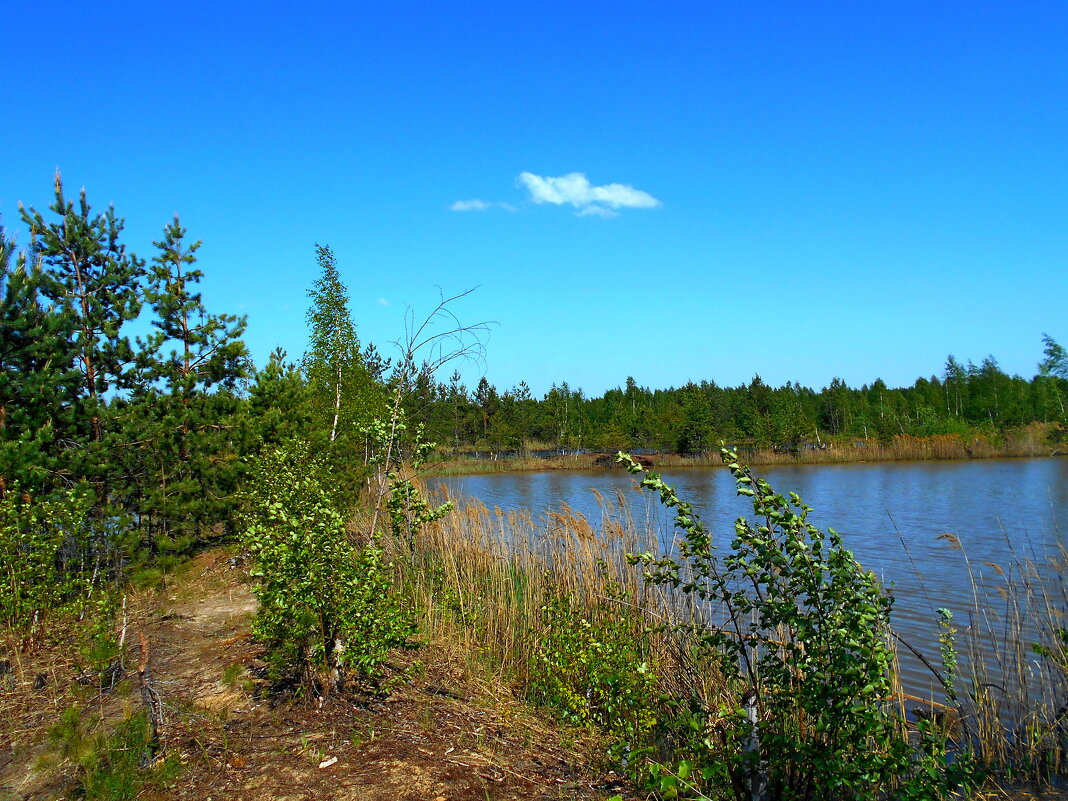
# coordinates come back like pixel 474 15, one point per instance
pixel 466 465
pixel 481 578
pixel 1013 701
pixel 1028 441
pixel 1031 440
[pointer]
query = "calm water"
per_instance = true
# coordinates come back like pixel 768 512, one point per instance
pixel 891 515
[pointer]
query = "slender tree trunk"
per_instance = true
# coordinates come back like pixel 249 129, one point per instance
pixel 337 404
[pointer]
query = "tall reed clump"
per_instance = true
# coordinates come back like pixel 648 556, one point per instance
pixel 552 606
pixel 487 579
pixel 1009 694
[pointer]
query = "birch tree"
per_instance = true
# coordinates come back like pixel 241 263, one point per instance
pixel 340 384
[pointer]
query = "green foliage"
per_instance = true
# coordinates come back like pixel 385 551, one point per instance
pixel 1055 362
pixel 38 382
pixel 181 465
pixel 947 643
pixel 801 633
pixel 932 777
pixel 112 763
pixel 1057 652
pixel 966 401
pixel 46 557
pixel 591 670
pixel 150 427
pixel 408 510
pixel 206 349
pixel 279 407
pixel 91 277
pixel 326 604
pixel 344 393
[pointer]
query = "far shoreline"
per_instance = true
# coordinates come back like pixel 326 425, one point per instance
pixel 1029 442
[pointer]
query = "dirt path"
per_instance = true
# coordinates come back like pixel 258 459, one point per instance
pixel 437 735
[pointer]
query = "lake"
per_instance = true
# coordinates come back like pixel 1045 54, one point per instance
pixel 892 516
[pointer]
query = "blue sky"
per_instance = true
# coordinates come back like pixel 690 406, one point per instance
pixel 797 190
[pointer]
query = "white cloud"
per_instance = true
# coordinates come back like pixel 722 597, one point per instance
pixel 480 205
pixel 383 302
pixel 470 205
pixel 575 189
pixel 597 211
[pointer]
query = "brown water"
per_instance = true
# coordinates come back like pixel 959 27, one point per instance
pixel 1003 512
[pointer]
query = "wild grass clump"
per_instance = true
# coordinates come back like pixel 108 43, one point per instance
pixel 1005 662
pixel 485 578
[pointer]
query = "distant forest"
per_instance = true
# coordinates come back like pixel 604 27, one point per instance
pixel 160 429
pixel 966 399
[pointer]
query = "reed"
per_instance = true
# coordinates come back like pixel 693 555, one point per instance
pixel 1012 703
pixel 518 463
pixel 482 577
pixel 1027 441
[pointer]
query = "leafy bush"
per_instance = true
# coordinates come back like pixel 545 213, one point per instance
pixel 326 603
pixel 408 510
pixel 45 561
pixel 591 670
pixel 801 632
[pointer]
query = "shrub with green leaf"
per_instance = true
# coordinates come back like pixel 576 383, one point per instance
pixel 801 633
pixel 326 603
pixel 408 510
pixel 46 557
pixel 590 668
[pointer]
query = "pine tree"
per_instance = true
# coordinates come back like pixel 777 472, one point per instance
pixel 209 350
pixel 88 272
pixel 279 406
pixel 37 379
pixel 186 403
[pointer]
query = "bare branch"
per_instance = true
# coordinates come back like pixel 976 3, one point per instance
pixel 457 341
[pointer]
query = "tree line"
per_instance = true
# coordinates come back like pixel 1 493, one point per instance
pixel 695 418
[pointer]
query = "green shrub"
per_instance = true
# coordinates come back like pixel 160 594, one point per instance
pixel 46 556
pixel 408 510
pixel 326 604
pixel 801 634
pixel 589 667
